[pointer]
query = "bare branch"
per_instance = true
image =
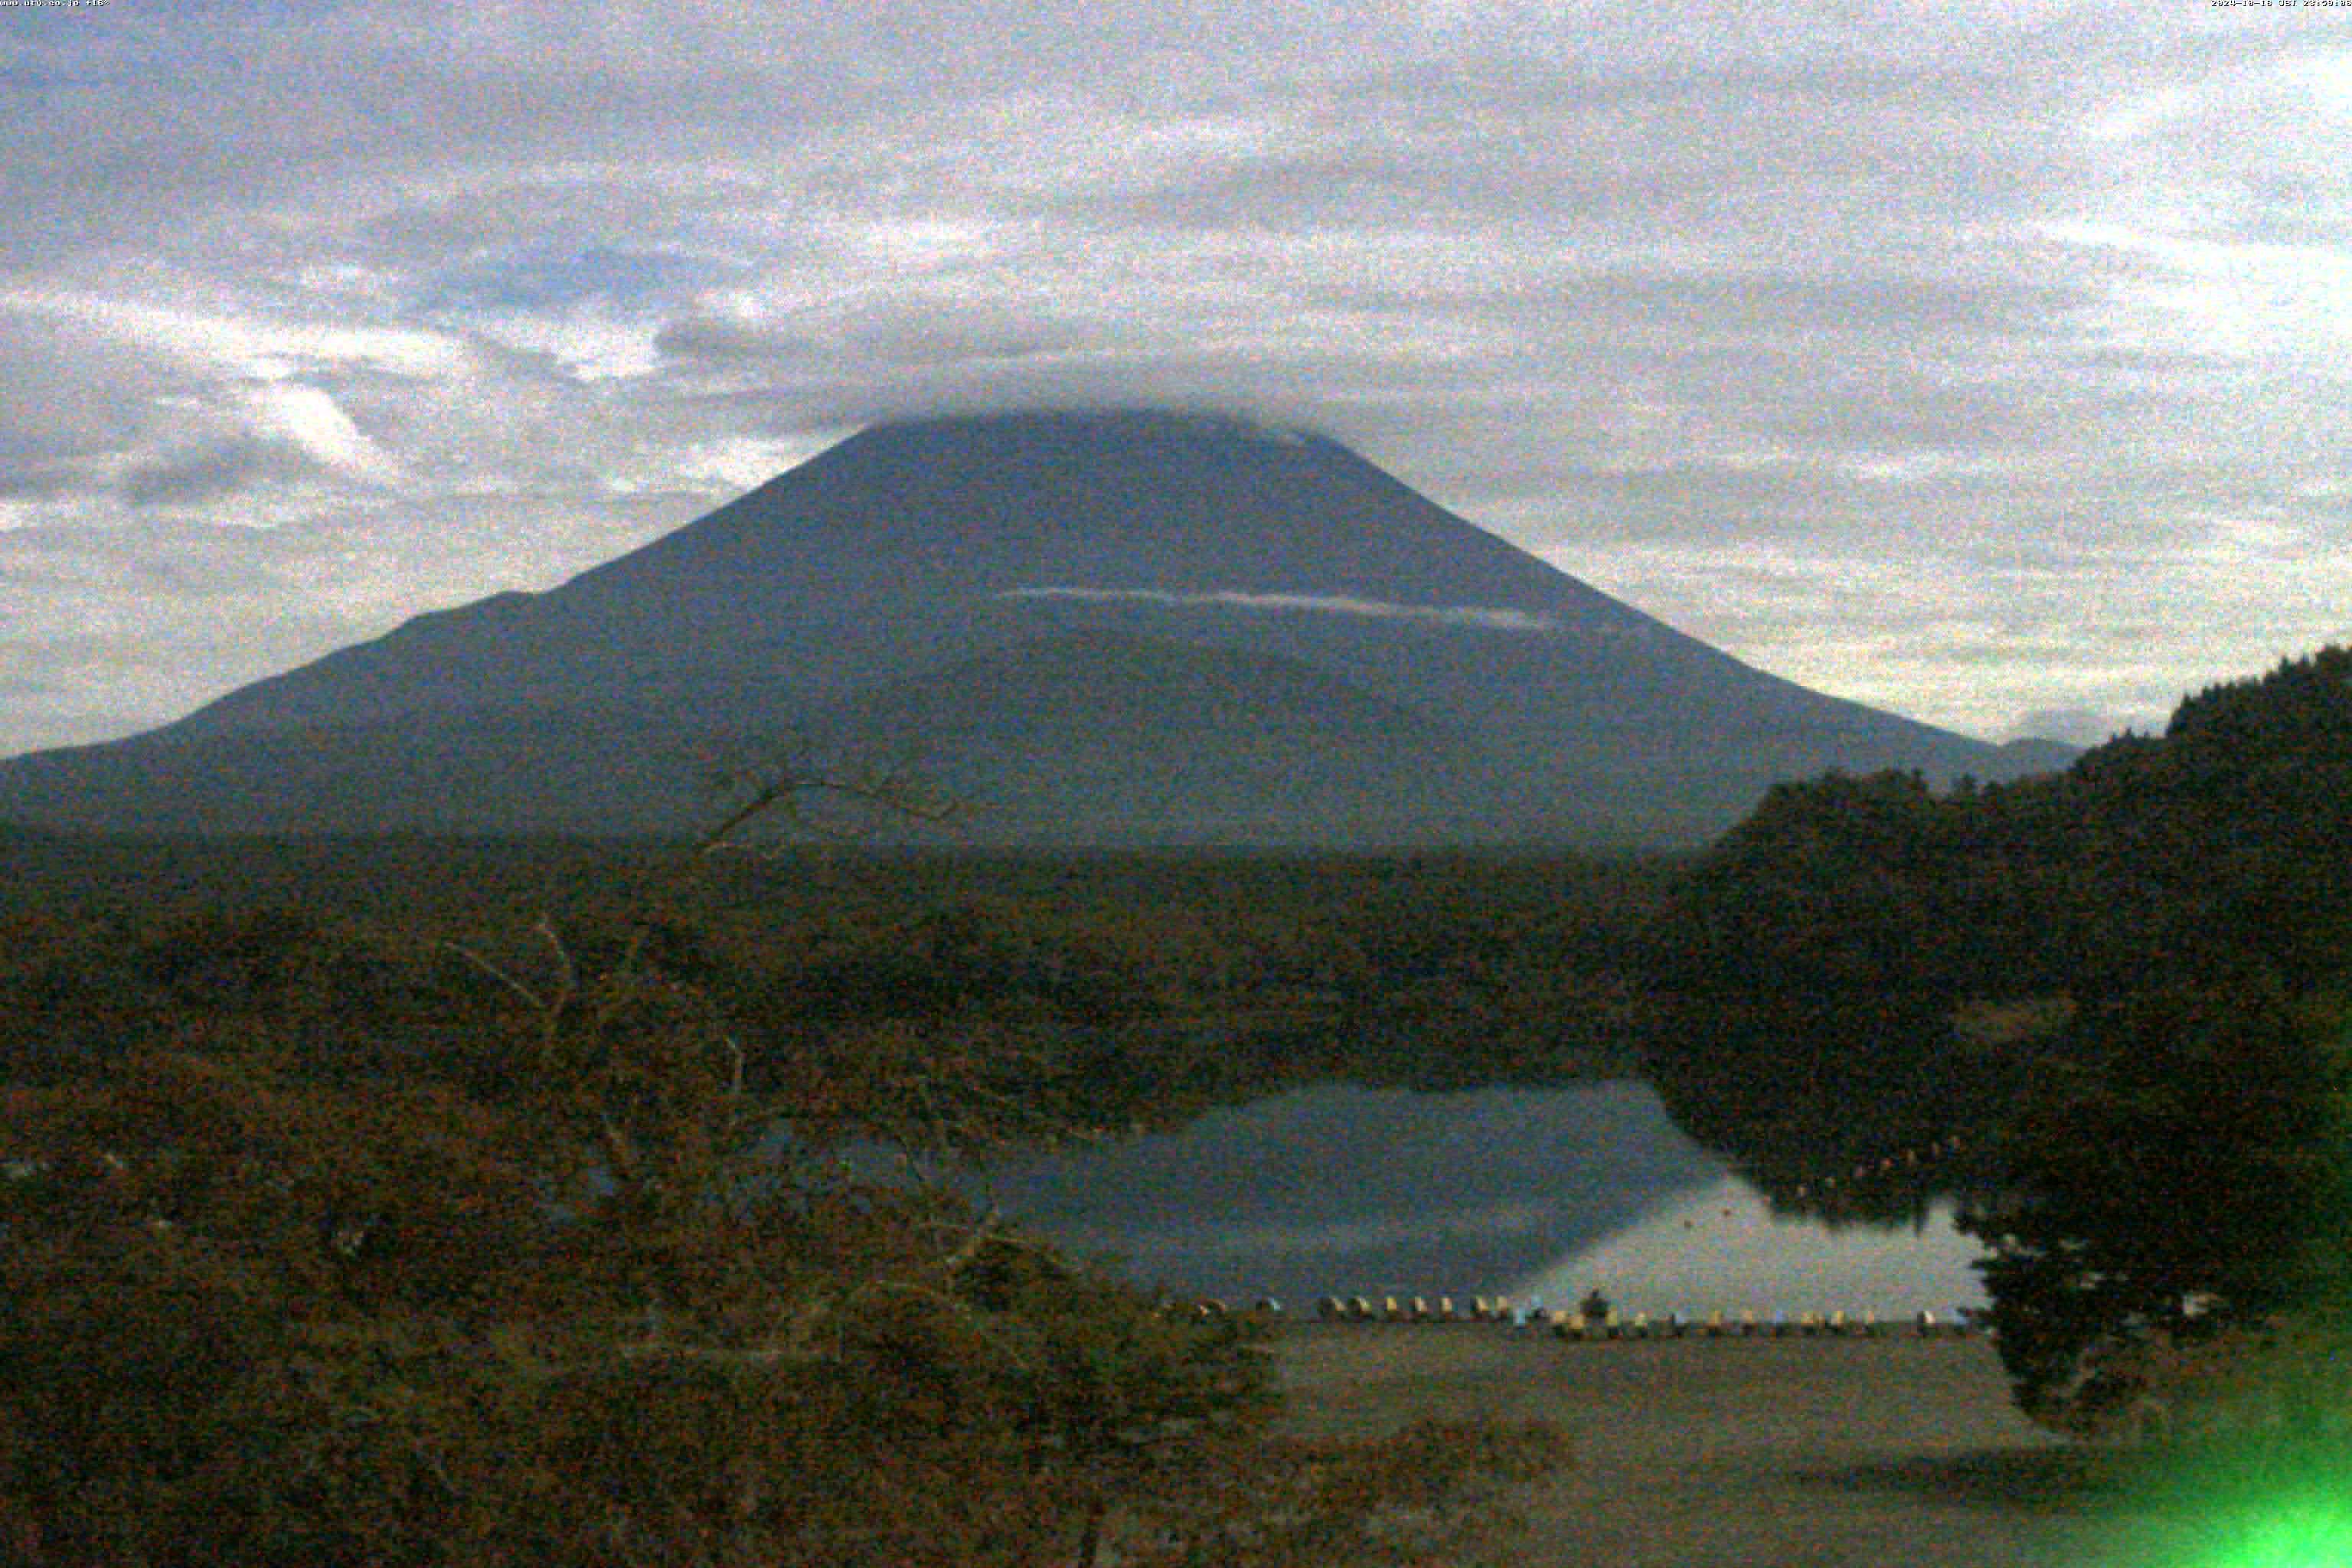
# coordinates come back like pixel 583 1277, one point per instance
pixel 890 792
pixel 564 968
pixel 533 999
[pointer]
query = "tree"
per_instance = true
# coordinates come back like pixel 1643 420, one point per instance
pixel 603 1298
pixel 1815 965
pixel 2134 972
pixel 2174 1218
pixel 2172 1191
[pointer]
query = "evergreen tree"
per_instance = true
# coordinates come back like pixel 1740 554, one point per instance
pixel 2178 1180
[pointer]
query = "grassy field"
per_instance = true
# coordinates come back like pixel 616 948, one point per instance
pixel 1888 1453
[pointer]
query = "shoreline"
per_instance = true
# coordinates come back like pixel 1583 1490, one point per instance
pixel 1900 1452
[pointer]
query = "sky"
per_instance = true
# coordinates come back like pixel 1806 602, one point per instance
pixel 1985 363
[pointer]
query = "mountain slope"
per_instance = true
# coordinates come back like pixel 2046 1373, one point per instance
pixel 1106 626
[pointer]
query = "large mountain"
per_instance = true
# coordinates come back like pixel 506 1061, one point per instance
pixel 1093 627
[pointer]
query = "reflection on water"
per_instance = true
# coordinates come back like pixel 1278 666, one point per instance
pixel 1722 1251
pixel 1343 1190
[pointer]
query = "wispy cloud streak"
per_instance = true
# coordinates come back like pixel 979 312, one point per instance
pixel 1486 618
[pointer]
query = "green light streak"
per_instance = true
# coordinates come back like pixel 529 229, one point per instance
pixel 2264 1502
pixel 2271 1513
pixel 2298 1535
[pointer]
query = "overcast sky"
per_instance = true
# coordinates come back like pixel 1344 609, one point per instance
pixel 1984 361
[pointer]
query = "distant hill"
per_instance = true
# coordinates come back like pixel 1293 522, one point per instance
pixel 2036 756
pixel 1132 627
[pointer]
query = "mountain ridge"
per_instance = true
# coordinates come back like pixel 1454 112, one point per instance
pixel 912 550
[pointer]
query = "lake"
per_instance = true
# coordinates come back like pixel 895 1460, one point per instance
pixel 1337 1190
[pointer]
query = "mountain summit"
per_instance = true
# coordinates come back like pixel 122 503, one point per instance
pixel 1127 628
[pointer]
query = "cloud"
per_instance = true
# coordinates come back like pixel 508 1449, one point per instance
pixel 312 422
pixel 242 343
pixel 1484 617
pixel 541 278
pixel 23 479
pixel 2076 726
pixel 199 474
pixel 1959 362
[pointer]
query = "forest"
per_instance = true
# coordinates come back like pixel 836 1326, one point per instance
pixel 432 1201
pixel 436 1201
pixel 1144 986
pixel 2116 997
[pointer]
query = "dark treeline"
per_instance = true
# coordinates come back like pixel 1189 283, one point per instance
pixel 1141 987
pixel 2122 989
pixel 1860 970
pixel 1866 963
pixel 469 1203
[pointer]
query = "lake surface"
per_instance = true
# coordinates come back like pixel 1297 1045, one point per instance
pixel 1344 1190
